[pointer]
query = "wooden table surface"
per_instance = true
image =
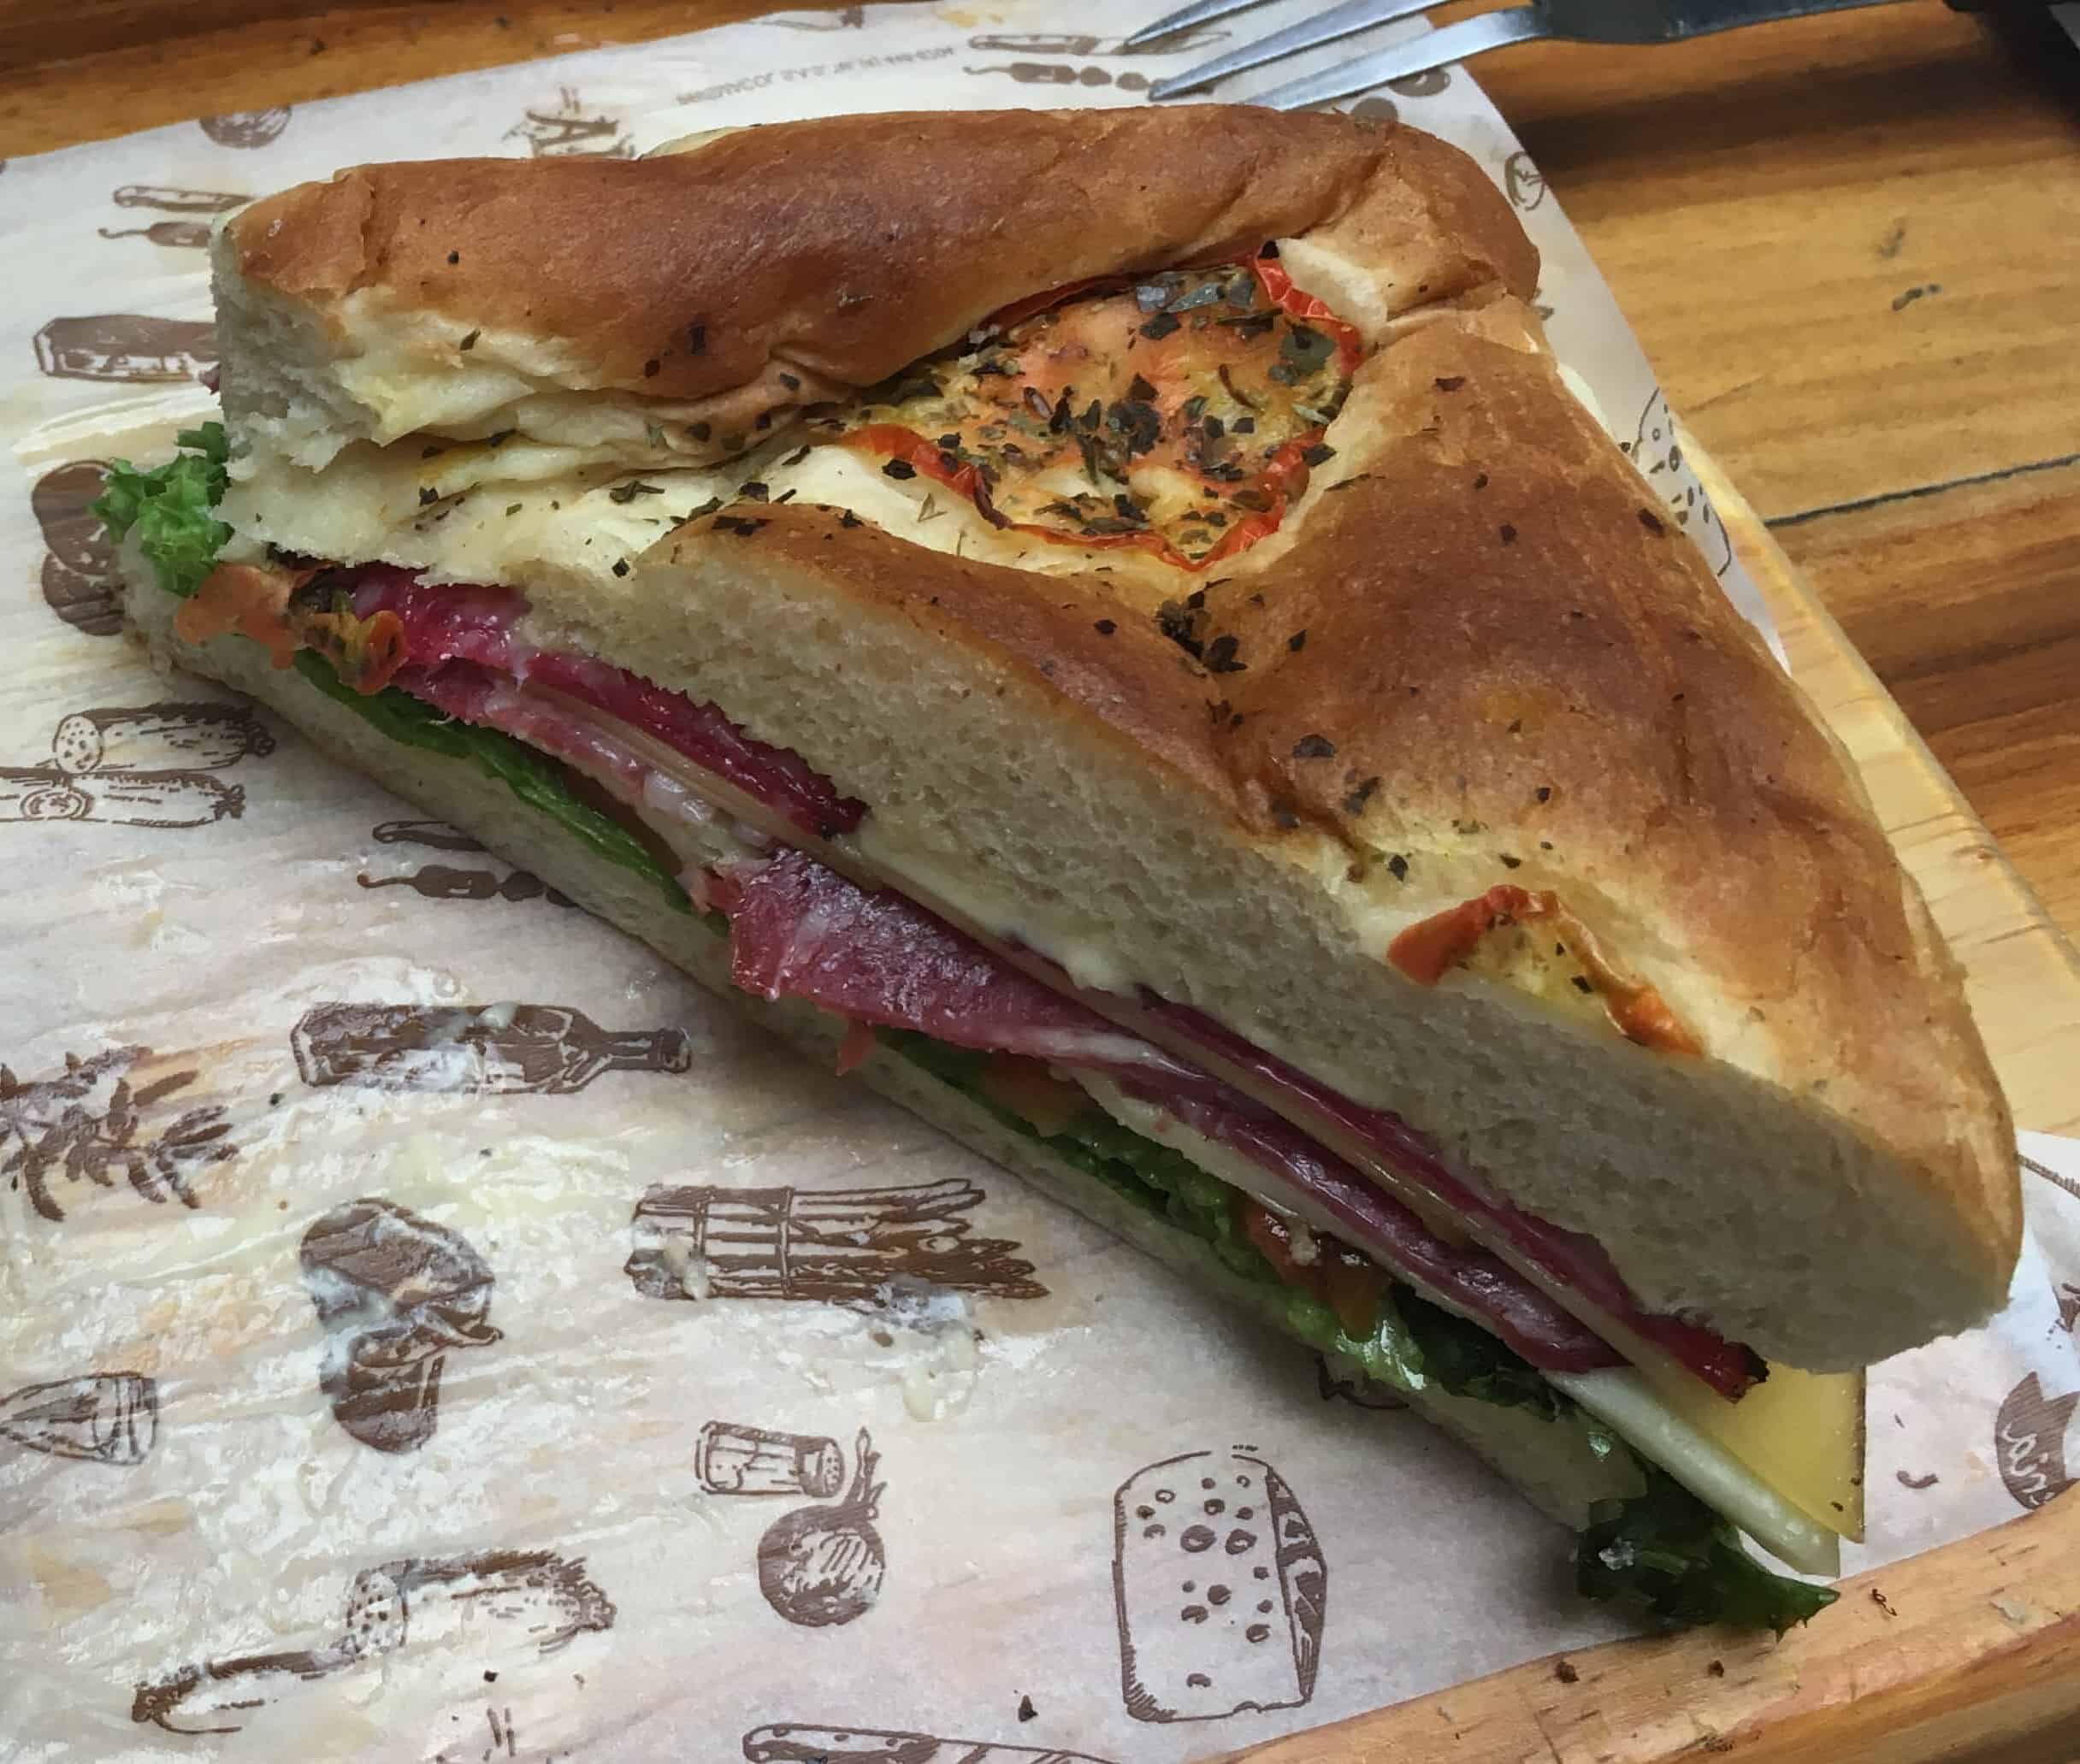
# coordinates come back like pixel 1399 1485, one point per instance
pixel 1849 242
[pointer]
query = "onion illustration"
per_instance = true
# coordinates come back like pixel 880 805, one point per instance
pixel 821 1565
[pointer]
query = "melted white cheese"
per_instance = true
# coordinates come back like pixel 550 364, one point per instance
pixel 525 511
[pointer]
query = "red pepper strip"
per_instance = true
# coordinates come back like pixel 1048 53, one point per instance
pixel 365 653
pixel 858 1044
pixel 1426 950
pixel 1349 1284
pixel 900 441
pixel 1006 317
pixel 245 600
pixel 1278 287
pixel 1285 475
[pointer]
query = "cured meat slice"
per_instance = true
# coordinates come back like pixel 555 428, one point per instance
pixel 475 624
pixel 798 930
pixel 1481 1285
pixel 1574 1261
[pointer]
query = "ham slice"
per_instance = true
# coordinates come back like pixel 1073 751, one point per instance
pixel 1481 1285
pixel 1576 1262
pixel 475 624
pixel 800 930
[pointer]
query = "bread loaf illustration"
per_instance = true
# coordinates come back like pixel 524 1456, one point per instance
pixel 509 1605
pixel 1220 1586
pixel 792 1742
pixel 203 737
pixel 396 1293
pixel 131 346
pixel 118 797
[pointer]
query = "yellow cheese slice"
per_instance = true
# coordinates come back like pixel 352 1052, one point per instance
pixel 1801 1432
pixel 1633 1409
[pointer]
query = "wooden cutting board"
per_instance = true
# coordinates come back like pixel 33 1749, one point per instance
pixel 1968 1655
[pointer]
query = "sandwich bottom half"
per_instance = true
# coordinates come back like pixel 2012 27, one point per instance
pixel 1562 1467
pixel 1642 1538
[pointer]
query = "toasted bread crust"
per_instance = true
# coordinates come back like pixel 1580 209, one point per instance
pixel 1496 620
pixel 686 276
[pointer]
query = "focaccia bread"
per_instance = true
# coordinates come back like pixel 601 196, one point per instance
pixel 744 281
pixel 1697 1011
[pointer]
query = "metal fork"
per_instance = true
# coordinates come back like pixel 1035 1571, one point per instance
pixel 1571 21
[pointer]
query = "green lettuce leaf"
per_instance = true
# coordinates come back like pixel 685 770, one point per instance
pixel 1170 1185
pixel 1668 1553
pixel 523 771
pixel 1465 1360
pixel 170 508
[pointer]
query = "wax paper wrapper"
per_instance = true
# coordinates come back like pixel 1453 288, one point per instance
pixel 430 1329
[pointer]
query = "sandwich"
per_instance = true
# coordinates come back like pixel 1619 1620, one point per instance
pixel 1116 627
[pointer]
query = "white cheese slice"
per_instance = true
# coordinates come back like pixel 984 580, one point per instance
pixel 1800 1433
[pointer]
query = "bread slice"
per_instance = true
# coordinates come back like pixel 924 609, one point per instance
pixel 1560 1466
pixel 1473 654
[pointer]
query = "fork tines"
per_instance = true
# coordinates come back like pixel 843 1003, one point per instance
pixel 1342 21
pixel 1454 43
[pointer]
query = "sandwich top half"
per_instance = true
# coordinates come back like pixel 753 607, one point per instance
pixel 1132 594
